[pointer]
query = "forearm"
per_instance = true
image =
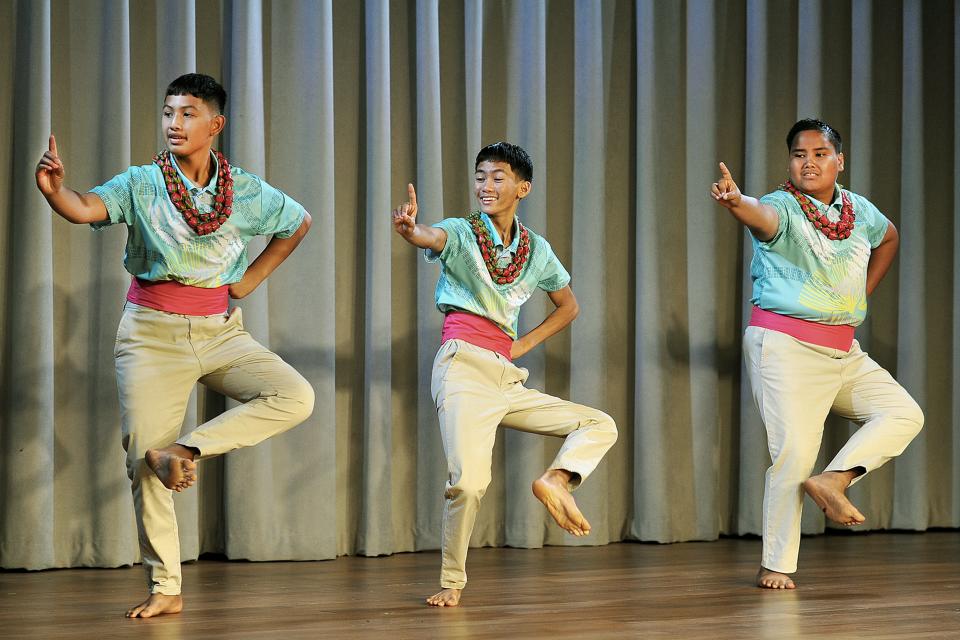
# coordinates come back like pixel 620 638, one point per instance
pixel 272 256
pixel 78 208
pixel 427 237
pixel 881 258
pixel 760 219
pixel 557 321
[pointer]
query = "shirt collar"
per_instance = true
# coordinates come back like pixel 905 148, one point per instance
pixel 211 186
pixel 495 235
pixel 837 199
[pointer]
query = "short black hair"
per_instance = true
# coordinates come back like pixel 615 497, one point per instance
pixel 515 156
pixel 812 124
pixel 200 86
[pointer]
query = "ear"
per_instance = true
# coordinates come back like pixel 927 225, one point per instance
pixel 217 124
pixel 525 187
pixel 840 161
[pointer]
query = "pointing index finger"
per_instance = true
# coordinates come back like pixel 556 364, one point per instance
pixel 725 173
pixel 411 194
pixel 52 144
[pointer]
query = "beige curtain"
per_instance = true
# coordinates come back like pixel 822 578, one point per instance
pixel 626 107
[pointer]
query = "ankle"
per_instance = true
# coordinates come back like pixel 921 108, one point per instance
pixel 177 449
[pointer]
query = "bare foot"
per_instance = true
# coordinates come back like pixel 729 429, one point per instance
pixel 446 598
pixel 551 490
pixel 157 604
pixel 827 490
pixel 774 580
pixel 174 466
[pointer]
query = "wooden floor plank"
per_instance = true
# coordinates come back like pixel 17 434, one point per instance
pixel 878 585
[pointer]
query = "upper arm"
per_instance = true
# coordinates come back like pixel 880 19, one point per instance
pixel 891 235
pixel 438 240
pixel 113 201
pixel 94 210
pixel 564 298
pixel 769 223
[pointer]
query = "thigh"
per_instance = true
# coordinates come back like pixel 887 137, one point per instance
pixel 536 412
pixel 241 368
pixel 470 406
pixel 870 391
pixel 156 371
pixel 794 385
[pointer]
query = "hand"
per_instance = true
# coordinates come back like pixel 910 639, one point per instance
pixel 405 216
pixel 243 288
pixel 517 349
pixel 725 191
pixel 50 170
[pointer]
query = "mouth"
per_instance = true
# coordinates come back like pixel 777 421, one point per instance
pixel 176 139
pixel 809 174
pixel 487 200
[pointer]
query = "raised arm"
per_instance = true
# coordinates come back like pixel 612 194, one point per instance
pixel 79 208
pixel 760 219
pixel 419 235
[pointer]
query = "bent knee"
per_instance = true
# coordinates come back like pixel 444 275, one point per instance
pixel 914 417
pixel 607 426
pixel 298 400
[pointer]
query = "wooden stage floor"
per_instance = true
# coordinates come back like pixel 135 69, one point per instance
pixel 875 585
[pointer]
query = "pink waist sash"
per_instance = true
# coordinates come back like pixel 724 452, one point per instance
pixel 174 297
pixel 477 331
pixel 833 336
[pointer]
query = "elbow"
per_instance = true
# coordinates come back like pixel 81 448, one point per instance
pixel 573 310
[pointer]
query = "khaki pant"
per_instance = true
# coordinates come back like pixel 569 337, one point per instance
pixel 475 391
pixel 159 358
pixel 795 385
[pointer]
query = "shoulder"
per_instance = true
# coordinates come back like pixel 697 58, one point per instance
pixel 540 247
pixel 778 198
pixel 243 178
pixel 860 203
pixel 457 225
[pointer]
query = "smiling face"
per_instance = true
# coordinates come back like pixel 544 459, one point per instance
pixel 189 125
pixel 498 189
pixel 815 165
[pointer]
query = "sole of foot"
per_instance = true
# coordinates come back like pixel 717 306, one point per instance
pixel 561 505
pixel 175 472
pixel 828 493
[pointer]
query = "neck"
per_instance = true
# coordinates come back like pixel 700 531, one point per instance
pixel 503 223
pixel 197 167
pixel 825 196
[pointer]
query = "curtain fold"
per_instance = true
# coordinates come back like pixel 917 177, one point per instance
pixel 626 107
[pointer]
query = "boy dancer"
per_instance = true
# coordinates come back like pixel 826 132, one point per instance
pixel 189 217
pixel 819 251
pixel 490 265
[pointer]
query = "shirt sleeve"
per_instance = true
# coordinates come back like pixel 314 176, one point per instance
pixel 554 276
pixel 454 240
pixel 783 218
pixel 117 195
pixel 876 223
pixel 280 215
